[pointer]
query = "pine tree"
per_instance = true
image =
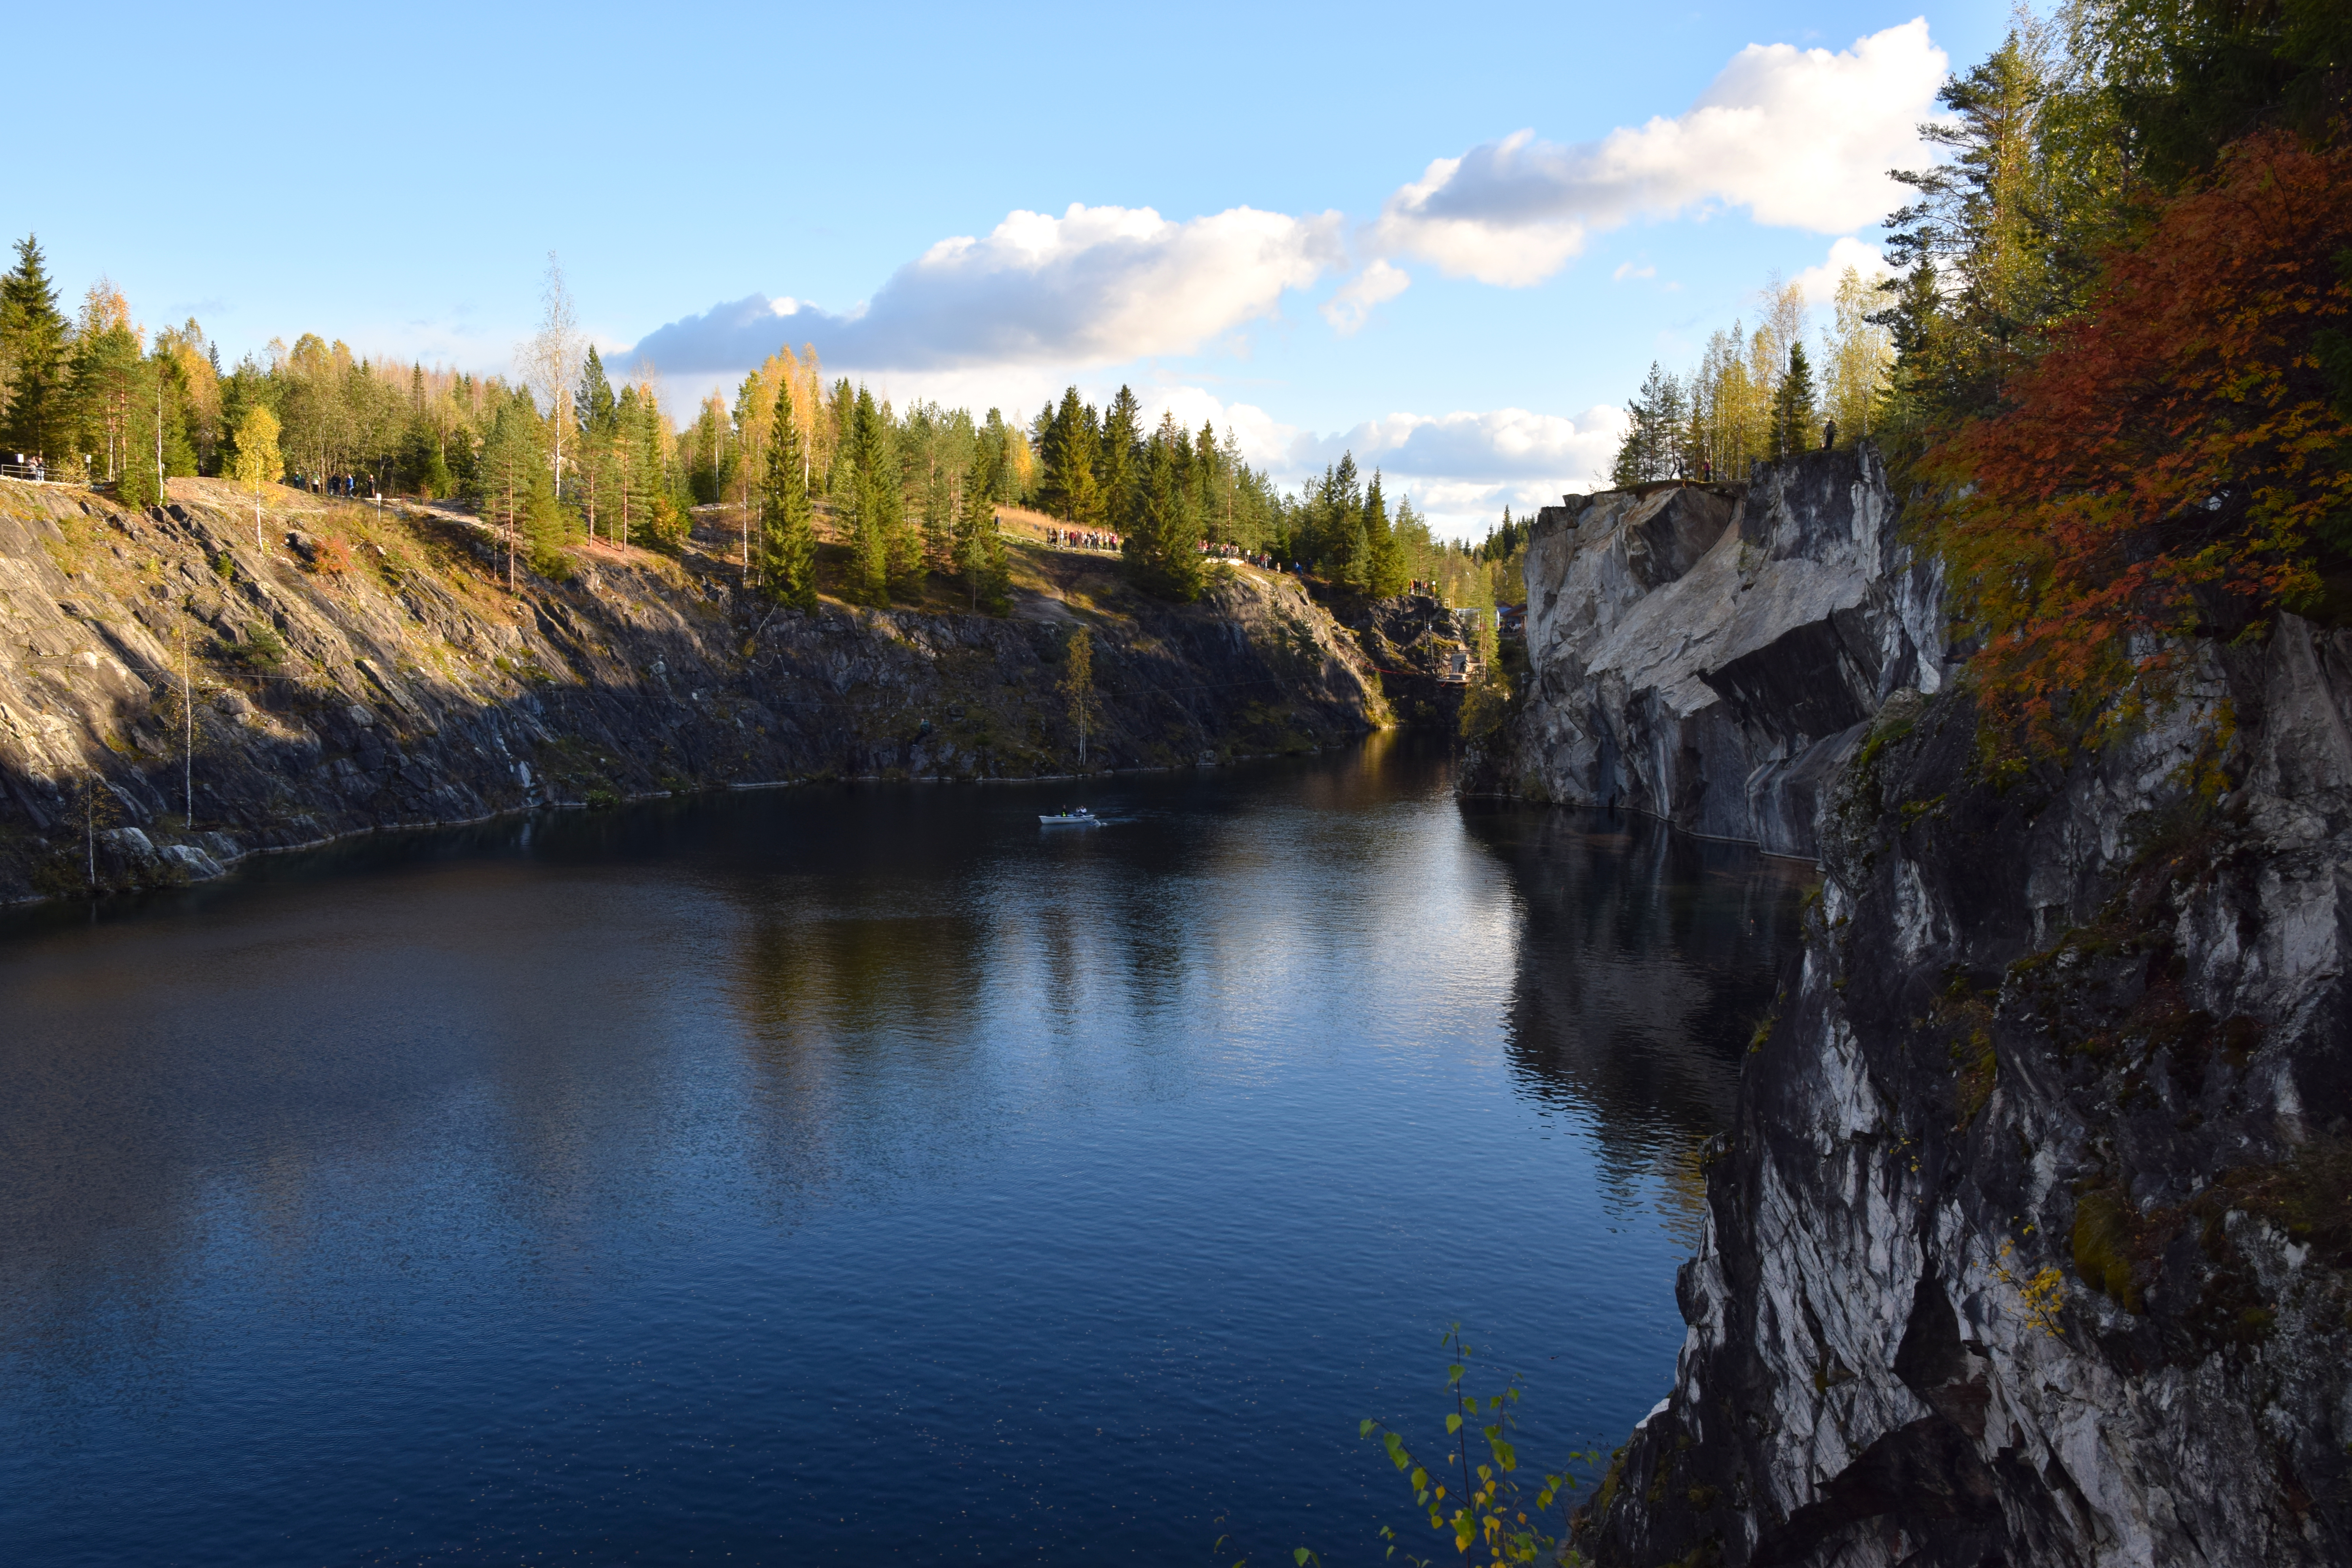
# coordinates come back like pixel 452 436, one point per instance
pixel 787 519
pixel 1793 421
pixel 511 468
pixel 33 335
pixel 1654 447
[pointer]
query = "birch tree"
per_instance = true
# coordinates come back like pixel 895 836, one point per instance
pixel 552 358
pixel 257 459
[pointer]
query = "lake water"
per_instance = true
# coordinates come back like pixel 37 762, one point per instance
pixel 844 1173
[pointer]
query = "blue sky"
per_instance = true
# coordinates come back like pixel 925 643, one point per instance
pixel 1307 271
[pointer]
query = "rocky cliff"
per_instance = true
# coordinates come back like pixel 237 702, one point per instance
pixel 354 670
pixel 1709 654
pixel 2030 1241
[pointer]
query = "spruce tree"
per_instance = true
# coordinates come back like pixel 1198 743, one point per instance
pixel 595 406
pixel 1162 555
pixel 32 356
pixel 869 537
pixel 980 552
pixel 1344 544
pixel 1793 420
pixel 787 519
pixel 1069 491
pixel 1117 462
pixel 1385 573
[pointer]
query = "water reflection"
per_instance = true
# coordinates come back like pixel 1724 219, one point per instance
pixel 1645 958
pixel 575 1187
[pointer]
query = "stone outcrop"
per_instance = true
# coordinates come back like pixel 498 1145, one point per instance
pixel 1710 654
pixel 1417 642
pixel 408 687
pixel 2030 1241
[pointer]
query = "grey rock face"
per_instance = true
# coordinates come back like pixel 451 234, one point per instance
pixel 1708 654
pixel 2031 1242
pixel 411 688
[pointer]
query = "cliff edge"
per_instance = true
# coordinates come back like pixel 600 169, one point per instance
pixel 1710 654
pixel 2032 1239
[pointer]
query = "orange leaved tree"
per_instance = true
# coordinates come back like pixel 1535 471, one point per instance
pixel 2178 463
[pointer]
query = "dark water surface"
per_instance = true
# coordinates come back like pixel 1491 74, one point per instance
pixel 849 1172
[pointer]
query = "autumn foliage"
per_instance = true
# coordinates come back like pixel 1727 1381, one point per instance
pixel 2179 460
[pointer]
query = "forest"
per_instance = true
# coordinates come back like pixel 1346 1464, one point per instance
pixel 563 454
pixel 2115 371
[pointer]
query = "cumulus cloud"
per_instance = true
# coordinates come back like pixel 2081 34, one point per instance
pixel 1461 468
pixel 1349 307
pixel 1819 283
pixel 1095 286
pixel 1802 138
pixel 1490 447
pixel 1627 270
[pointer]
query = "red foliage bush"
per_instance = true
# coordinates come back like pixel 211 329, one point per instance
pixel 2172 464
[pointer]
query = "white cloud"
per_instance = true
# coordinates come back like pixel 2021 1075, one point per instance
pixel 1490 447
pixel 1462 468
pixel 1627 270
pixel 1800 138
pixel 1819 283
pixel 1347 310
pixel 1095 286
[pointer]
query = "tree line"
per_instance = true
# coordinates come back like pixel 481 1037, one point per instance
pixel 564 451
pixel 2116 373
pixel 2123 371
pixel 1753 395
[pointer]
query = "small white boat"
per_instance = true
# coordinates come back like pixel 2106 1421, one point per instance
pixel 1081 817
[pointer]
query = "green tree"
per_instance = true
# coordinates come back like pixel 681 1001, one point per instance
pixel 640 490
pixel 787 519
pixel 980 552
pixel 1386 572
pixel 1119 461
pixel 1069 491
pixel 1793 419
pixel 511 468
pixel 33 341
pixel 258 461
pixel 1478 1506
pixel 1983 217
pixel 1162 555
pixel 1342 545
pixel 1657 440
pixel 869 533
pixel 596 459
pixel 1857 355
